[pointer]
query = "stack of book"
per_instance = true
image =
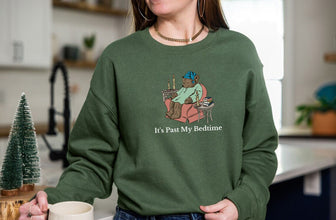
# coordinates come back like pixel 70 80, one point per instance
pixel 207 101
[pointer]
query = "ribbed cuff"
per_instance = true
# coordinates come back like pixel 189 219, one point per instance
pixel 244 200
pixel 51 192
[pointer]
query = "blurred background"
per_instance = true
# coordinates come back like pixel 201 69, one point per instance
pixel 295 39
pixel 292 39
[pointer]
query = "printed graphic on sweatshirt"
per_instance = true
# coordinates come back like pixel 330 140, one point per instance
pixel 189 103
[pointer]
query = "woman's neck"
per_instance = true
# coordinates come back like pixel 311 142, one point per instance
pixel 178 27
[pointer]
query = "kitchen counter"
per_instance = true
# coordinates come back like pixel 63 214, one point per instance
pixel 40 128
pixel 304 186
pixel 295 158
pixel 301 158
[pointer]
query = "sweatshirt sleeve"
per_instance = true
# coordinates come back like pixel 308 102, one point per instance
pixel 93 143
pixel 199 92
pixel 259 162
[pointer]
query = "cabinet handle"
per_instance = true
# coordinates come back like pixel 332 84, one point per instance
pixel 21 51
pixel 18 49
pixel 15 51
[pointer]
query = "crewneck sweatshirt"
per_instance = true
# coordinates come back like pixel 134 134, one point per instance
pixel 223 149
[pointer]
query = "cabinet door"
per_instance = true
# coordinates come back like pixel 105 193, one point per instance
pixel 29 35
pixel 31 32
pixel 6 52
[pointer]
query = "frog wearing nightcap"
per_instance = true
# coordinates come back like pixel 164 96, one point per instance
pixel 186 95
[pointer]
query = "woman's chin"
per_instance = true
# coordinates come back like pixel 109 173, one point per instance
pixel 162 12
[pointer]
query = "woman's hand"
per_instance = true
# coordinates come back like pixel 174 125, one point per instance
pixel 188 101
pixel 222 210
pixel 36 209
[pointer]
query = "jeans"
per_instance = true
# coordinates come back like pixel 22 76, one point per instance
pixel 122 214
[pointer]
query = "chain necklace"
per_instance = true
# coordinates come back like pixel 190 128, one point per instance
pixel 179 40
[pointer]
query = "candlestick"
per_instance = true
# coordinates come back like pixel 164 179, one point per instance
pixel 197 99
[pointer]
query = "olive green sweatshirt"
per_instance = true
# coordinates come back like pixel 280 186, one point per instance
pixel 221 146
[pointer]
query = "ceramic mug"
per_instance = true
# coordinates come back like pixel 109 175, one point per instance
pixel 71 210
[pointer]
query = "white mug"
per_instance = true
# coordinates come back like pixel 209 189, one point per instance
pixel 70 210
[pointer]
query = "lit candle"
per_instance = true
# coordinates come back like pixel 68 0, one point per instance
pixel 173 81
pixel 197 99
pixel 168 84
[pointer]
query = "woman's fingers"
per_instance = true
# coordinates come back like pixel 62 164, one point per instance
pixel 213 216
pixel 42 201
pixel 30 208
pixel 40 217
pixel 223 210
pixel 35 209
pixel 25 208
pixel 29 211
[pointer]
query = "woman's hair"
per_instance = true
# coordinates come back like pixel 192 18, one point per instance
pixel 213 17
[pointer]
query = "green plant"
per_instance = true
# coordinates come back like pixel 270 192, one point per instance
pixel 89 41
pixel 306 111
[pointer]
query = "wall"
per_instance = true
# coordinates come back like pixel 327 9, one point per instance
pixel 69 27
pixel 310 31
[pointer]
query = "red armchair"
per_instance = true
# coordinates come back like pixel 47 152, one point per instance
pixel 189 112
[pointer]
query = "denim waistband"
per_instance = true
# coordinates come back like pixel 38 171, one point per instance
pixel 122 214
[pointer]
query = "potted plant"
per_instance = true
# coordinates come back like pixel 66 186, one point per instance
pixel 89 42
pixel 321 116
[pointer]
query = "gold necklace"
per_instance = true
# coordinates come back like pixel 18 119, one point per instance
pixel 179 40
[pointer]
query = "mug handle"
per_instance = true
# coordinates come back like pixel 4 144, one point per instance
pixel 49 207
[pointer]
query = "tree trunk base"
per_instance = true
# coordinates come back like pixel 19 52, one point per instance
pixel 11 192
pixel 27 187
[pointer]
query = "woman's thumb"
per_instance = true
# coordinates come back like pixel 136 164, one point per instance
pixel 213 208
pixel 42 201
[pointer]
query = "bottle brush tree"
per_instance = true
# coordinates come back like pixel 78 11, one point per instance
pixel 23 129
pixel 11 172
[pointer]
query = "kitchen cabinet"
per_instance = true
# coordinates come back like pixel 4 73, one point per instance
pixel 304 185
pixel 25 33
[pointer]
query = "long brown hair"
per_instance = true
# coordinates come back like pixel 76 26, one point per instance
pixel 213 16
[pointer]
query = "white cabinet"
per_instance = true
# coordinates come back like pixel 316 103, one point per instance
pixel 5 50
pixel 25 33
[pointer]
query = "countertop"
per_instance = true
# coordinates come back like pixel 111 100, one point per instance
pixel 295 158
pixel 298 158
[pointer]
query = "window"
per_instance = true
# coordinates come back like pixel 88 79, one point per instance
pixel 262 22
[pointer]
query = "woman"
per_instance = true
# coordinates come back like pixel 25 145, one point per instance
pixel 216 167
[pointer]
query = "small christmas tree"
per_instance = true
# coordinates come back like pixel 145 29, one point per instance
pixel 23 128
pixel 11 172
